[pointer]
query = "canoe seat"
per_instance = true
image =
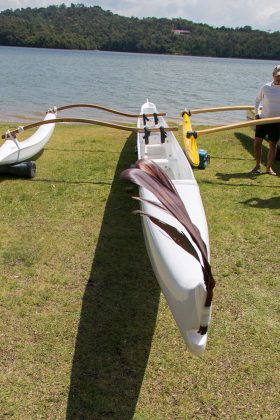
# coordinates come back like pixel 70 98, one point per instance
pixel 156 151
pixel 163 163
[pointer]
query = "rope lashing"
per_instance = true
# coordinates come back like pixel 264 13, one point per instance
pixel 52 110
pixel 9 136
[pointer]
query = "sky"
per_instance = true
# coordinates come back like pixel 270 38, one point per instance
pixel 259 14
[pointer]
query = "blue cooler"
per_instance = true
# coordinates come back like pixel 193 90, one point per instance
pixel 204 158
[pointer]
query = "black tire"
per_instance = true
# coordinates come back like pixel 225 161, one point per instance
pixel 21 170
pixel 31 169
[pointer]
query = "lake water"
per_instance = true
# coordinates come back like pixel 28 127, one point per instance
pixel 32 80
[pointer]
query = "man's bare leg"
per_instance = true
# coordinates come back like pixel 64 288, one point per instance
pixel 271 157
pixel 258 153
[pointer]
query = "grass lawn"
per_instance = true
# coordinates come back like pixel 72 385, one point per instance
pixel 85 331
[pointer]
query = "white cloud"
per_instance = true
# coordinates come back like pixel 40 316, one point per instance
pixel 230 13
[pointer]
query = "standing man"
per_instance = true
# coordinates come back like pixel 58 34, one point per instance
pixel 269 98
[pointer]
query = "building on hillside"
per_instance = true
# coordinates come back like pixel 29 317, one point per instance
pixel 180 32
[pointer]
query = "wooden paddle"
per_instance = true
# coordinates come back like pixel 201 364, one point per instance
pixel 103 108
pixel 86 121
pixel 239 125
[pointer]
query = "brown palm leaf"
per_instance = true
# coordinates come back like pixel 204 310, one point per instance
pixel 148 175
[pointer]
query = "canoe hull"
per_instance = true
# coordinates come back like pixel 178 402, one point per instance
pixel 178 273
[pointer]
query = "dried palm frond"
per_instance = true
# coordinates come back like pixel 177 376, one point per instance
pixel 150 176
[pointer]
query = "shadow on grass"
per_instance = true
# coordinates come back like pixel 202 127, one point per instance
pixel 229 158
pixel 235 185
pixel 4 177
pixel 61 181
pixel 118 315
pixel 270 203
pixel 79 150
pixel 237 175
pixel 248 144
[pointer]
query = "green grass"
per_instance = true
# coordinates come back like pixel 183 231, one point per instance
pixel 85 332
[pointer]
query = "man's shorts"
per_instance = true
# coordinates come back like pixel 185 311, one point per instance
pixel 270 132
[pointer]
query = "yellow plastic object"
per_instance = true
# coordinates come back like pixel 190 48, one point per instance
pixel 190 144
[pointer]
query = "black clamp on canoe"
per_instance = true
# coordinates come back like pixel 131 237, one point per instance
pixel 191 133
pixel 186 111
pixel 163 134
pixel 145 119
pixel 147 134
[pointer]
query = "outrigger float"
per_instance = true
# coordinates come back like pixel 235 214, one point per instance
pixel 15 156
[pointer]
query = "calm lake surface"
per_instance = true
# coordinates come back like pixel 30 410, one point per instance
pixel 32 80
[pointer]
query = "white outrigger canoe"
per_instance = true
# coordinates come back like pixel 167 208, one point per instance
pixel 181 266
pixel 13 151
pixel 179 274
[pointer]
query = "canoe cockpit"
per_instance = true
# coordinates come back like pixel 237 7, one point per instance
pixel 163 148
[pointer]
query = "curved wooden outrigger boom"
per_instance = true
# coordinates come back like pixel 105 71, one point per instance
pixel 239 125
pixel 85 121
pixel 103 108
pixel 219 109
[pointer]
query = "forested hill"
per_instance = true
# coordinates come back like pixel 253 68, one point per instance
pixel 90 28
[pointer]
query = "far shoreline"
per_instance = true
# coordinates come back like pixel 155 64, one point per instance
pixel 136 53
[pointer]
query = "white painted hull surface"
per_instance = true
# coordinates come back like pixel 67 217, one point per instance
pixel 179 274
pixel 14 151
